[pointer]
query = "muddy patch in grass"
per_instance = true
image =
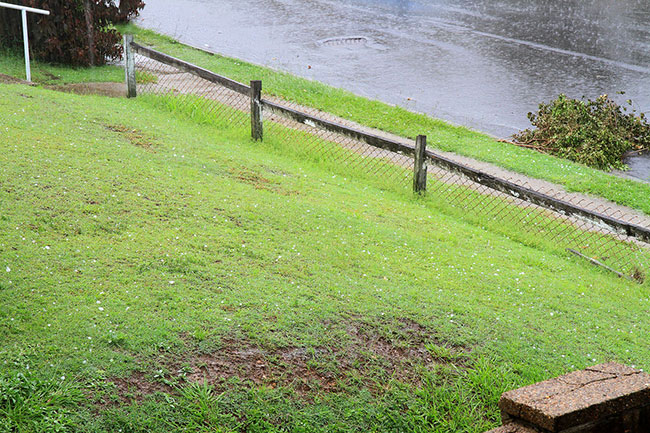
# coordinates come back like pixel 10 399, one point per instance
pixel 135 136
pixel 133 388
pixel 258 181
pixel 289 366
pixel 115 90
pixel 8 79
pixel 371 357
pixel 402 352
pixel 137 386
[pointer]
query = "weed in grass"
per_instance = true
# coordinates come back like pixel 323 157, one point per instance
pixel 29 403
pixel 145 77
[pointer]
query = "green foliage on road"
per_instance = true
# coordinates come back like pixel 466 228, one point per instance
pixel 597 133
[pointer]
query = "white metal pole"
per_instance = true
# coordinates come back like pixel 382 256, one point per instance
pixel 28 71
pixel 23 11
pixel 24 8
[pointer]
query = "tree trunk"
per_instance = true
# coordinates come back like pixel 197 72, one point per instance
pixel 90 31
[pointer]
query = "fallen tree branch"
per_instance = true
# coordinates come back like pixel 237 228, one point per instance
pixel 536 147
pixel 597 263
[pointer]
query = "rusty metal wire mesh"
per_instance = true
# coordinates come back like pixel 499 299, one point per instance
pixel 211 102
pixel 190 94
pixel 503 212
pixel 476 201
pixel 338 151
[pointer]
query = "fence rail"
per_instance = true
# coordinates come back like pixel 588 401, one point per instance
pixel 370 139
pixel 192 69
pixel 618 244
pixel 560 206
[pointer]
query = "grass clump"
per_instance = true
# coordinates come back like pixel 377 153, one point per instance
pixel 29 403
pixel 596 133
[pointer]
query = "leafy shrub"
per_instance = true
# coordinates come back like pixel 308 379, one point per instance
pixel 594 132
pixel 77 32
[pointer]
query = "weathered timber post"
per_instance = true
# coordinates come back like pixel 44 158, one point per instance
pixel 129 67
pixel 419 166
pixel 256 110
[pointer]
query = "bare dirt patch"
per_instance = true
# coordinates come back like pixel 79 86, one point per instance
pixel 8 79
pixel 115 90
pixel 288 366
pixel 370 358
pixel 135 136
pixel 258 181
pixel 137 386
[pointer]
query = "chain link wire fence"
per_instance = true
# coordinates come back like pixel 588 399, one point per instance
pixel 499 211
pixel 181 89
pixel 389 169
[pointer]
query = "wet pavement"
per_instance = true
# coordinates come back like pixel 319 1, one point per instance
pixel 482 64
pixel 639 167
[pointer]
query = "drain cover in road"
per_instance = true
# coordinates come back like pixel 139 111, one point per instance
pixel 351 41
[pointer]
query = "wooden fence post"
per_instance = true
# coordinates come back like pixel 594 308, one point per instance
pixel 256 110
pixel 129 67
pixel 419 167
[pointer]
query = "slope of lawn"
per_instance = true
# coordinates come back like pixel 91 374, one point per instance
pixel 162 275
pixel 440 135
pixel 13 63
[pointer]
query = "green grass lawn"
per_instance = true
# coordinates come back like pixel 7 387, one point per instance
pixel 13 63
pixel 440 135
pixel 158 274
